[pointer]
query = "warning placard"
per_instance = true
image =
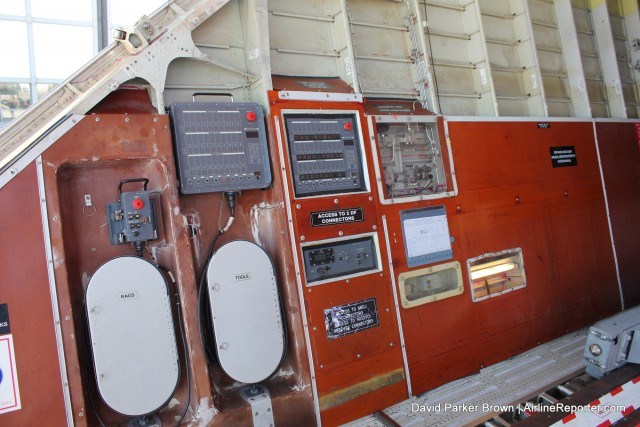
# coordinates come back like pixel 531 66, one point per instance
pixel 9 391
pixel 351 318
pixel 563 156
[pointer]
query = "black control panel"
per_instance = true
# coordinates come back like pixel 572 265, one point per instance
pixel 325 154
pixel 220 146
pixel 339 258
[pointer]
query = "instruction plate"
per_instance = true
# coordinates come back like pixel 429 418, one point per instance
pixel 563 156
pixel 351 318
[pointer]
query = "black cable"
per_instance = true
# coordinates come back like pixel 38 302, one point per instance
pixel 232 203
pixel 184 349
pixel 204 309
pixel 435 75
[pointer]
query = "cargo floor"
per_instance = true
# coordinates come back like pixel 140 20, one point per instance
pixel 474 399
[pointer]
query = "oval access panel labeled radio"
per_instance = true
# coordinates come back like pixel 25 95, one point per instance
pixel 132 336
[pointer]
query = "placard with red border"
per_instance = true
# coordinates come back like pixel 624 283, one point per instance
pixel 9 390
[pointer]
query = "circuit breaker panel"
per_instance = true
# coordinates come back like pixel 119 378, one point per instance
pixel 325 153
pixel 220 146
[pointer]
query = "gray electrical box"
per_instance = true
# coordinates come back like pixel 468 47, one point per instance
pixel 132 336
pixel 133 217
pixel 220 146
pixel 613 342
pixel 338 258
pixel 245 306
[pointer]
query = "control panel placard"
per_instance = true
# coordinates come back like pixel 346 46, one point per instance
pixel 325 153
pixel 220 146
pixel 340 258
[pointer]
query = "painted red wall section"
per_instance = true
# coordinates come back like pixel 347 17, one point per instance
pixel 510 196
pixel 620 154
pixel 362 372
pixel 25 289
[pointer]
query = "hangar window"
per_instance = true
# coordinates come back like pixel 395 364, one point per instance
pixel 51 40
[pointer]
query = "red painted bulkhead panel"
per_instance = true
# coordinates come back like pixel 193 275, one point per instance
pixel 91 159
pixel 619 145
pixel 510 196
pixel 363 372
pixel 25 289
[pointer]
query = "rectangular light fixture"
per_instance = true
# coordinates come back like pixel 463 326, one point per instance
pixel 490 271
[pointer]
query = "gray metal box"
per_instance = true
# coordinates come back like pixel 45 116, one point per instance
pixel 220 146
pixel 132 218
pixel 611 343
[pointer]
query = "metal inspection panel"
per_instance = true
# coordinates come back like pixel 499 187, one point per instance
pixel 132 336
pixel 245 306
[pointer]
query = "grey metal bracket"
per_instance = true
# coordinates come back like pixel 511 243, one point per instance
pixel 146 421
pixel 260 400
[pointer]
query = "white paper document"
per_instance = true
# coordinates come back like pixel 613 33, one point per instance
pixel 427 235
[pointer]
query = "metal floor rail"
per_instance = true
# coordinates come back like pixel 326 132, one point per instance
pixel 495 389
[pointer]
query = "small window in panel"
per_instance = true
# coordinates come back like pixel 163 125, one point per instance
pixel 426 235
pixel 430 284
pixel 14 99
pixel 411 158
pixel 495 274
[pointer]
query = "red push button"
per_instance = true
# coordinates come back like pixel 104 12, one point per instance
pixel 251 116
pixel 347 126
pixel 138 204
